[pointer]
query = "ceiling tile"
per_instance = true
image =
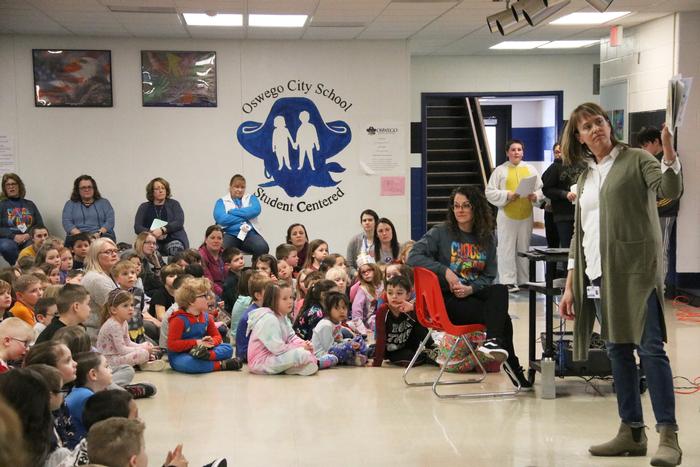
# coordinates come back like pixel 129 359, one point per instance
pixel 297 7
pixel 216 33
pixel 332 33
pixel 275 33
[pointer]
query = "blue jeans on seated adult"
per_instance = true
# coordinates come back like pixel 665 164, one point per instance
pixel 10 250
pixel 254 243
pixel 656 367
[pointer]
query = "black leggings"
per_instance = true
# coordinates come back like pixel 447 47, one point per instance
pixel 488 306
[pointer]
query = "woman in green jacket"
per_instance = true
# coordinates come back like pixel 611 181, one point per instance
pixel 615 273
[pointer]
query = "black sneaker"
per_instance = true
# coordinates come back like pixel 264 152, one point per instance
pixel 141 390
pixel 232 364
pixel 519 377
pixel 199 351
pixel 493 351
pixel 221 462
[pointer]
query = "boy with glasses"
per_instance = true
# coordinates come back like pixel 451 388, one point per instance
pixel 15 337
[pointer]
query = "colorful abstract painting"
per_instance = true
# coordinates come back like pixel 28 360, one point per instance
pixel 72 78
pixel 178 79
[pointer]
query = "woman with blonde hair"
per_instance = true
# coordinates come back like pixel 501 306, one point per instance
pixel 102 255
pixel 146 247
pixel 615 273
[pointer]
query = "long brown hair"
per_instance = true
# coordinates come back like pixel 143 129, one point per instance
pixel 572 150
pixel 483 217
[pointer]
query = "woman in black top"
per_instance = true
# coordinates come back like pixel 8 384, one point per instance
pixel 163 217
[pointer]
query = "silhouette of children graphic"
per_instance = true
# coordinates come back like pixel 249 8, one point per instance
pixel 307 140
pixel 280 142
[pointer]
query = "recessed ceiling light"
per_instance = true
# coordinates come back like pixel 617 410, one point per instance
pixel 277 21
pixel 589 18
pixel 517 45
pixel 220 19
pixel 569 44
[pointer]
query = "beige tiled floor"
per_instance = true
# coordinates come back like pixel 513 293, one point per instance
pixel 367 417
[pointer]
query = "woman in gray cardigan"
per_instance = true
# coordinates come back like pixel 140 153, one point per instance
pixel 163 217
pixel 615 273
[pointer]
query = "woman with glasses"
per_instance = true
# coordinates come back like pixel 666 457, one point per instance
pixel 17 217
pixel 462 253
pixel 102 256
pixel 514 219
pixel 615 273
pixel 163 217
pixel 87 211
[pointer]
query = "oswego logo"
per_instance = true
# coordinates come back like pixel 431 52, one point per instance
pixel 296 144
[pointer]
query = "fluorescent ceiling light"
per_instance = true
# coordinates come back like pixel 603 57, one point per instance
pixel 589 18
pixel 569 44
pixel 220 19
pixel 277 21
pixel 517 45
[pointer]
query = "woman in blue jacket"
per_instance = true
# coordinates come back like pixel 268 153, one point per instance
pixel 237 213
pixel 87 211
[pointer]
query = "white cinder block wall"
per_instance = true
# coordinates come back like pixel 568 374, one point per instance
pixel 196 149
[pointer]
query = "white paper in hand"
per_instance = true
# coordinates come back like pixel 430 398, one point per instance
pixel 526 186
pixel 157 224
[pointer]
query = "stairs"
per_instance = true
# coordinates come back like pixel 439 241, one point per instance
pixel 454 145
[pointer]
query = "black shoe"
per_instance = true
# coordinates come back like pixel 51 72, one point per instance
pixel 221 462
pixel 141 390
pixel 199 351
pixel 519 377
pixel 232 364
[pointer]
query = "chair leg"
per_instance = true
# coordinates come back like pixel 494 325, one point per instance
pixel 421 347
pixel 482 371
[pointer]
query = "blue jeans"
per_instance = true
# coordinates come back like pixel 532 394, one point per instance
pixel 9 249
pixel 656 367
pixel 254 243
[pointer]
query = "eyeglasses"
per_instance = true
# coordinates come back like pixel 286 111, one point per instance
pixel 24 343
pixel 11 184
pixel 149 243
pixel 462 207
pixel 109 252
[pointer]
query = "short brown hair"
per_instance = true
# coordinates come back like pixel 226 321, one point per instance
pixel 284 250
pixel 50 374
pixel 190 290
pixel 5 287
pixel 171 269
pixel 236 177
pixel 122 266
pixel 68 295
pixel 115 440
pixel 257 283
pixel 20 184
pixel 25 281
pixel 149 188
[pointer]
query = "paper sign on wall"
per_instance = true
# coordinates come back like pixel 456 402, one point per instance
pixel 392 186
pixel 382 148
pixel 7 155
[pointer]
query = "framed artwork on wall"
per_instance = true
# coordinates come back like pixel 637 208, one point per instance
pixel 72 78
pixel 178 79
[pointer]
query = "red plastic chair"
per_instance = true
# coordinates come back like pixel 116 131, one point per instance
pixel 431 313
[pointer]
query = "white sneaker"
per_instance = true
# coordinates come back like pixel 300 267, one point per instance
pixel 493 351
pixel 155 365
pixel 513 288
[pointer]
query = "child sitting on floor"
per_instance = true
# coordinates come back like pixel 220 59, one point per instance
pixel 399 334
pixel 234 262
pixel 274 347
pixel 44 312
pixel 92 375
pixel 28 290
pixel 113 339
pixel 328 337
pixel 364 302
pixel 194 343
pixel 256 288
pixel 312 310
pixel 15 336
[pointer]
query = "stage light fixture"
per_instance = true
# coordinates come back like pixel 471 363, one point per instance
pixel 600 5
pixel 536 11
pixel 505 22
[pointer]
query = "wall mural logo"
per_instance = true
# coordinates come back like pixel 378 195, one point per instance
pixel 296 146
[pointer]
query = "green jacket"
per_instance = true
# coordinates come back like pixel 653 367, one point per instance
pixel 630 249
